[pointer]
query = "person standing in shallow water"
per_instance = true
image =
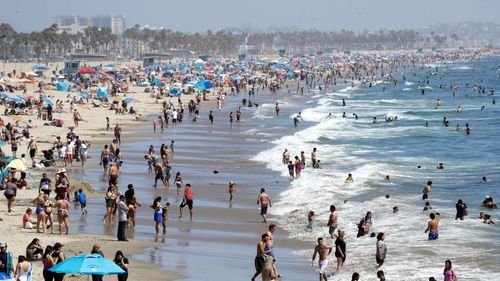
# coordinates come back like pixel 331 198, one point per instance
pixel 448 272
pixel 265 201
pixel 433 226
pixel 323 251
pixel 381 249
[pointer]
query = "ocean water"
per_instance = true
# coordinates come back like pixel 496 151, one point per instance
pixel 371 151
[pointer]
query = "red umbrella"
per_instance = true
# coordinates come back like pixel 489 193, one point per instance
pixel 87 71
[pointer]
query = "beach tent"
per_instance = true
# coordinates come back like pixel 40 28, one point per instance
pixel 102 93
pixel 62 86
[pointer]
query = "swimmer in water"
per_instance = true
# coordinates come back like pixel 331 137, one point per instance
pixel 395 209
pixel 349 179
pixel 427 206
pixel 484 180
pixel 433 226
pixel 440 166
pixel 387 178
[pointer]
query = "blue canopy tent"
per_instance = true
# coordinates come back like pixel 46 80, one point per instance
pixel 62 86
pixel 3 95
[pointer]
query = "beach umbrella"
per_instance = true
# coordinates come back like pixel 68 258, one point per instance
pixel 17 164
pixel 3 95
pixel 5 277
pixel 204 85
pixel 86 71
pixel 84 95
pixel 39 67
pixel 47 101
pixel 62 86
pixel 87 264
pixel 15 100
pixel 174 91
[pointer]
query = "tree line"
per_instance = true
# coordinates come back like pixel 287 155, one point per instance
pixel 50 44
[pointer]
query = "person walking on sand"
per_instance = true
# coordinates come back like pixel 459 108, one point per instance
pixel 277 108
pixel 260 258
pixel 122 262
pixel 232 189
pixel 118 133
pixel 381 249
pixel 265 201
pixel 323 251
pixel 211 118
pixel 332 221
pixel 63 213
pixel 76 117
pixel 188 200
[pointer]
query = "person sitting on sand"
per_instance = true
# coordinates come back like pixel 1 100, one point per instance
pixel 27 221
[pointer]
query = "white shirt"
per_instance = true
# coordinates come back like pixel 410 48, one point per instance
pixel 174 115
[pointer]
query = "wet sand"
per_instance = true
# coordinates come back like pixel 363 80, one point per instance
pixel 222 237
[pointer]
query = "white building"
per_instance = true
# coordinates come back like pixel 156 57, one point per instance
pixel 74 24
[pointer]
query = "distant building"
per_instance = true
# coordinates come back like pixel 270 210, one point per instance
pixel 75 24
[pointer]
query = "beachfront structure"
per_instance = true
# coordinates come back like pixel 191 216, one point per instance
pixel 73 24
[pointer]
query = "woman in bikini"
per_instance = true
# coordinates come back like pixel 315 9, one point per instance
pixel 178 182
pixel 47 208
pixel 63 214
pixel 110 203
pixel 40 212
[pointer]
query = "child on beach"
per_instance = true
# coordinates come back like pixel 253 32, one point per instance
pixel 310 220
pixel 82 198
pixel 164 217
pixel 291 169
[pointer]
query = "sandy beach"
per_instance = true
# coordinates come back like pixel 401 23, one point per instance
pixel 222 237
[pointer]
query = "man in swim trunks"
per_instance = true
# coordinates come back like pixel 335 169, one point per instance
pixel 332 221
pixel 260 258
pixel 433 226
pixel 264 200
pixel 313 157
pixel 323 251
pixel 105 158
pixel 113 174
pixel 188 200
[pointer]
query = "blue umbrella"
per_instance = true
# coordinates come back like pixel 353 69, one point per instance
pixel 5 277
pixel 87 264
pixel 174 91
pixel 39 67
pixel 47 101
pixel 204 85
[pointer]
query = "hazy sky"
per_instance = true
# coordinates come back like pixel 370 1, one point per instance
pixel 200 15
